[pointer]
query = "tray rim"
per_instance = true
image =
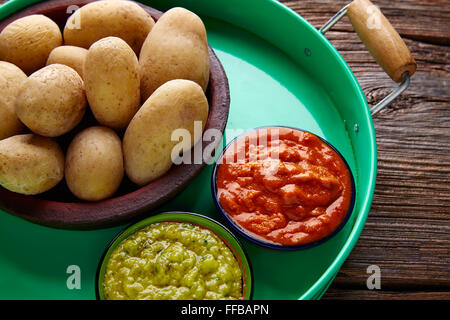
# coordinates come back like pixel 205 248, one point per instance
pixel 321 285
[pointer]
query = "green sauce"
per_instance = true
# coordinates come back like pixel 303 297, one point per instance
pixel 172 260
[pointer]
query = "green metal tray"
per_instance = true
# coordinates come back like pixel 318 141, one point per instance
pixel 281 71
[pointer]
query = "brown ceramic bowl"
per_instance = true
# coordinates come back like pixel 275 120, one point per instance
pixel 60 209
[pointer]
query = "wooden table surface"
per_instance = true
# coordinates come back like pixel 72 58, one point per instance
pixel 407 233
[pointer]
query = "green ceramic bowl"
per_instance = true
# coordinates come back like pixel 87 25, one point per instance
pixel 223 233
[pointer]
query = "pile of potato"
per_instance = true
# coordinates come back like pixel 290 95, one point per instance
pixel 142 80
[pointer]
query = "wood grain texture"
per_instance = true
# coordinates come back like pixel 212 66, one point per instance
pixel 424 20
pixel 59 209
pixel 407 233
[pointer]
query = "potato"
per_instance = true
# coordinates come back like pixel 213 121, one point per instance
pixel 31 164
pixel 100 19
pixel 27 42
pixel 147 143
pixel 111 74
pixel 70 56
pixel 176 48
pixel 94 164
pixel 51 101
pixel 11 78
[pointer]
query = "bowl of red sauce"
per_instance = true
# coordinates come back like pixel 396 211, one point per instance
pixel 283 188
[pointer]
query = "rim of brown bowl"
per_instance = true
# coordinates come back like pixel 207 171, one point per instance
pixel 118 210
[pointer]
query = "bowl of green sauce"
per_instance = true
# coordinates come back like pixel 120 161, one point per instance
pixel 174 256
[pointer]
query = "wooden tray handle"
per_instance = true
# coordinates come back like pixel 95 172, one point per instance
pixel 381 39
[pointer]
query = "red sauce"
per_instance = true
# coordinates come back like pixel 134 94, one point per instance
pixel 284 185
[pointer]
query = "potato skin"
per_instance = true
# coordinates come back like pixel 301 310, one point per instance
pixel 52 100
pixel 111 73
pixel 147 144
pixel 94 164
pixel 176 48
pixel 27 42
pixel 11 78
pixel 70 56
pixel 101 19
pixel 31 164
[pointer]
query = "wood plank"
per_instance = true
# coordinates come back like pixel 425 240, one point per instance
pixel 409 253
pixel 339 294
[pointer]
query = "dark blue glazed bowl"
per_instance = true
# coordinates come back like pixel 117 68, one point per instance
pixel 255 238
